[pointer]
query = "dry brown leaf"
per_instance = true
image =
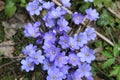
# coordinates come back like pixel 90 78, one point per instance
pixel 9 31
pixel 2 5
pixel 7 48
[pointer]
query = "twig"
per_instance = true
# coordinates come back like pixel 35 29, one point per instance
pixel 99 35
pixel 113 12
pixel 6 64
pixel 17 57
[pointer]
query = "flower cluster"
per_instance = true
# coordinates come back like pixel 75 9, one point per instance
pixel 64 57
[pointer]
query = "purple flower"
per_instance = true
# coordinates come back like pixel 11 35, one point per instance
pixel 84 70
pixel 54 74
pixel 48 5
pixel 52 52
pixel 37 24
pixel 61 60
pixel 50 37
pixel 27 65
pixel 31 30
pixel 64 41
pixel 92 14
pixel 63 24
pixel 36 57
pixel 76 76
pixel 55 13
pixel 73 43
pixel 88 0
pixel 81 39
pixel 66 3
pixel 29 48
pixel 49 22
pixel 90 77
pixel 34 8
pixel 78 18
pixel 73 59
pixel 65 70
pixel 47 45
pixel 90 33
pixel 86 54
pixel 47 64
pixel 39 41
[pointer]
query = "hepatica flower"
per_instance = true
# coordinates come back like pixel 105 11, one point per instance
pixel 73 43
pixel 92 14
pixel 31 30
pixel 66 3
pixel 34 8
pixel 74 59
pixel 52 52
pixel 77 18
pixel 81 39
pixel 29 48
pixel 64 41
pixel 55 13
pixel 50 37
pixel 47 65
pixel 54 74
pixel 86 54
pixel 63 24
pixel 48 5
pixel 27 65
pixel 84 70
pixel 49 22
pixel 36 57
pixel 88 0
pixel 90 33
pixel 61 60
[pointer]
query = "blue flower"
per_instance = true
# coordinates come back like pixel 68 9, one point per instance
pixel 34 8
pixel 55 13
pixel 31 30
pixel 36 57
pixel 52 52
pixel 86 54
pixel 48 5
pixel 73 59
pixel 27 50
pixel 50 37
pixel 90 34
pixel 78 18
pixel 66 3
pixel 27 65
pixel 84 70
pixel 63 24
pixel 54 74
pixel 49 22
pixel 88 0
pixel 47 64
pixel 92 14
pixel 61 60
pixel 64 41
pixel 73 43
pixel 81 39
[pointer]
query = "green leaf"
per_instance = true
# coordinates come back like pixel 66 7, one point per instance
pixel 106 19
pixel 107 3
pixel 108 63
pixel 84 7
pixel 115 51
pixel 107 54
pixel 98 3
pixel 10 8
pixel 118 76
pixel 115 71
